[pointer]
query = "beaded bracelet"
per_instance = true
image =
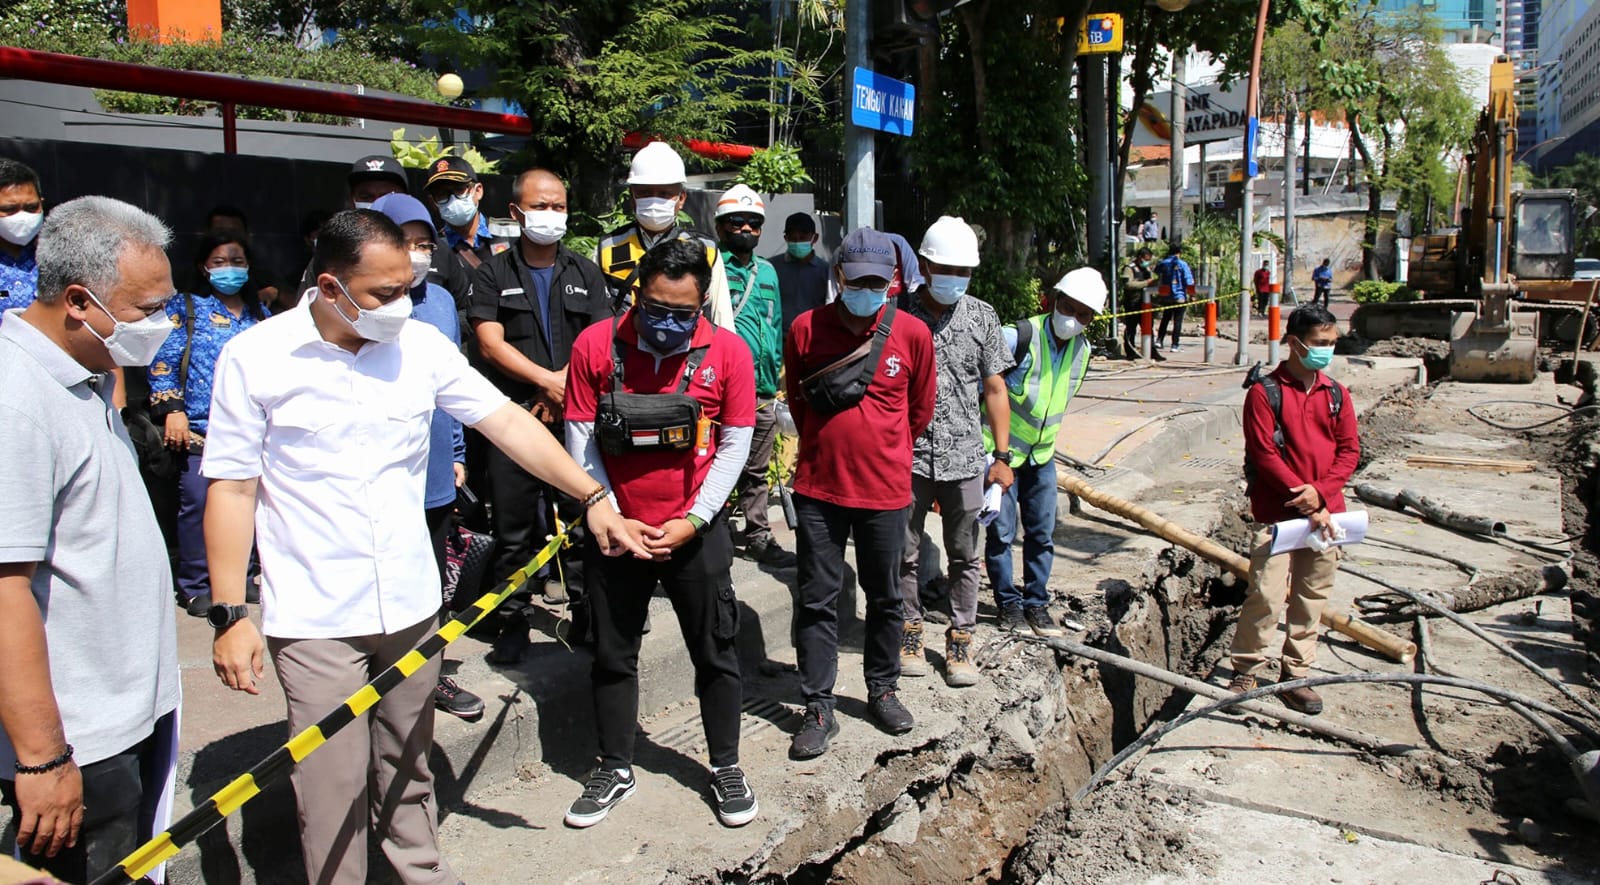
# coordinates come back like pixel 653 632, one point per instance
pixel 599 494
pixel 46 767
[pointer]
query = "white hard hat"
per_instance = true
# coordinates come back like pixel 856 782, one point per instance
pixel 741 199
pixel 950 241
pixel 1085 286
pixel 657 163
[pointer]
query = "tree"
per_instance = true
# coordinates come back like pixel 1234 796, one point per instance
pixel 1407 114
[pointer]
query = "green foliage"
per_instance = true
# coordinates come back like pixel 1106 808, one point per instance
pixel 1380 292
pixel 424 153
pixel 994 145
pixel 775 170
pixel 1013 296
pixel 91 28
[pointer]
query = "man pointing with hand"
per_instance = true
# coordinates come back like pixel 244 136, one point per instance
pixel 318 446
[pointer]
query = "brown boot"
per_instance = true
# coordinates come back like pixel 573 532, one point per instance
pixel 959 671
pixel 1300 700
pixel 1242 682
pixel 912 660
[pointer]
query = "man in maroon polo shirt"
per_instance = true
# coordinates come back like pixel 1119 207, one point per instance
pixel 1298 475
pixel 671 473
pixel 853 478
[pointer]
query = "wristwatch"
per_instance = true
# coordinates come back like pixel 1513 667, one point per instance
pixel 1003 456
pixel 222 616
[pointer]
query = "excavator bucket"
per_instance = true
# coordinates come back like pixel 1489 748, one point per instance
pixel 1509 356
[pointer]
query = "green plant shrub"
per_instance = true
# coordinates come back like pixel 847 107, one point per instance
pixel 1012 295
pixel 775 170
pixel 425 152
pixel 1379 292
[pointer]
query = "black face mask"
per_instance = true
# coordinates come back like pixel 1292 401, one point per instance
pixel 741 242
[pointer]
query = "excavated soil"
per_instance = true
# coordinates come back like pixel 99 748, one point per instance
pixel 1119 833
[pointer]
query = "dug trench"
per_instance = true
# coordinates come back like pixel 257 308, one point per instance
pixel 989 801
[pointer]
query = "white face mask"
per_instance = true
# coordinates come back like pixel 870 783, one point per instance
pixel 379 324
pixel 361 205
pixel 1064 326
pixel 655 213
pixel 458 210
pixel 19 228
pixel 420 262
pixel 133 344
pixel 544 226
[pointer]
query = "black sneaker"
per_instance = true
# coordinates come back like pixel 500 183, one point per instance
pixel 769 552
pixel 198 606
pixel 601 793
pixel 812 739
pixel 457 701
pixel 891 715
pixel 1012 620
pixel 736 803
pixel 1041 622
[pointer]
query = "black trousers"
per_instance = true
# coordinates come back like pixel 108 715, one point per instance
pixel 113 790
pixel 1173 315
pixel 880 537
pixel 523 511
pixel 699 582
pixel 1130 336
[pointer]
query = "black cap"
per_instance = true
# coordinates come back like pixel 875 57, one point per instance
pixel 452 169
pixel 377 166
pixel 801 222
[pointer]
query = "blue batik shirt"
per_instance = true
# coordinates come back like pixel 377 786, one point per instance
pixel 19 279
pixel 214 326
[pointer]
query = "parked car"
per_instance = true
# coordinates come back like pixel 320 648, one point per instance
pixel 1586 269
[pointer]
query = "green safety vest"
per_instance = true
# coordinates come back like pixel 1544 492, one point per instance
pixel 1037 407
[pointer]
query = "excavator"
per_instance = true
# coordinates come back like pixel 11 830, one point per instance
pixel 1504 278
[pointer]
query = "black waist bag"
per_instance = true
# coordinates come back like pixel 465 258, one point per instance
pixel 632 422
pixel 842 383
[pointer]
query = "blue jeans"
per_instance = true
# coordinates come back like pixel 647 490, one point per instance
pixel 193 573
pixel 1035 486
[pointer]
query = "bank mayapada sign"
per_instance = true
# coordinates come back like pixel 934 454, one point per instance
pixel 1214 114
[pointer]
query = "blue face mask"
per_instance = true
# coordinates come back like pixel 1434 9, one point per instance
pixel 863 302
pixel 228 280
pixel 947 289
pixel 1317 358
pixel 799 251
pixel 666 330
pixel 458 210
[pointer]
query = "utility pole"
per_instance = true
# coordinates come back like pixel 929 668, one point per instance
pixel 1092 89
pixel 1289 114
pixel 1247 210
pixel 1178 114
pixel 861 174
pixel 1114 190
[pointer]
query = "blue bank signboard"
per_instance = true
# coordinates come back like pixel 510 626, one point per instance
pixel 882 103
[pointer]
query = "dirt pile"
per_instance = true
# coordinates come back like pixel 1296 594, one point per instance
pixel 1120 833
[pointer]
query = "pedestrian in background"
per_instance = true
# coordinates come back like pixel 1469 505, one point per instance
pixel 21 215
pixel 1322 282
pixel 1261 282
pixel 1136 281
pixel 1178 278
pixel 803 276
pixel 219 304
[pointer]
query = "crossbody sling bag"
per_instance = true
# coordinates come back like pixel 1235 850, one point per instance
pixel 843 382
pixel 651 422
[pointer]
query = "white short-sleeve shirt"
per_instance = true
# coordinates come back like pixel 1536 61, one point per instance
pixel 339 441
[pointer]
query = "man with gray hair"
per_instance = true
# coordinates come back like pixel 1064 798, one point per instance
pixel 88 649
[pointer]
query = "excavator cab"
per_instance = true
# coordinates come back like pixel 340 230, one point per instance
pixel 1542 234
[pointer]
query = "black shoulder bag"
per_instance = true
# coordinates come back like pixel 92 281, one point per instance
pixel 842 383
pixel 633 422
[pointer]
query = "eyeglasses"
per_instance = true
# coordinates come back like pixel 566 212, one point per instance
pixel 438 200
pixel 736 222
pixel 655 311
pixel 428 247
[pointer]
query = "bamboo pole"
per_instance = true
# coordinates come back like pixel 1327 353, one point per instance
pixel 1380 641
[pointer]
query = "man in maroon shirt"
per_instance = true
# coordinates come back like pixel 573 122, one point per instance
pixel 671 477
pixel 1300 477
pixel 853 478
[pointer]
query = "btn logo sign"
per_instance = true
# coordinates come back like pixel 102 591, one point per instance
pixel 1101 32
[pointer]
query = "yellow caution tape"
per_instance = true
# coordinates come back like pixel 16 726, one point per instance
pixel 1158 308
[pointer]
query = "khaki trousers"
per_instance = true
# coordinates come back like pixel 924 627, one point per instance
pixel 374 772
pixel 1300 581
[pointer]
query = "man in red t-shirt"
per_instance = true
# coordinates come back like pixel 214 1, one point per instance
pixel 1302 479
pixel 671 479
pixel 1262 281
pixel 853 478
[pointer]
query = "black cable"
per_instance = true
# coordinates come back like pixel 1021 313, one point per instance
pixel 1566 414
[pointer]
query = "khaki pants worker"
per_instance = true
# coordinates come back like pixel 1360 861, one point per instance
pixel 1298 581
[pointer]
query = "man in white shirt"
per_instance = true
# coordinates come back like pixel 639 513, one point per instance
pixel 318 444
